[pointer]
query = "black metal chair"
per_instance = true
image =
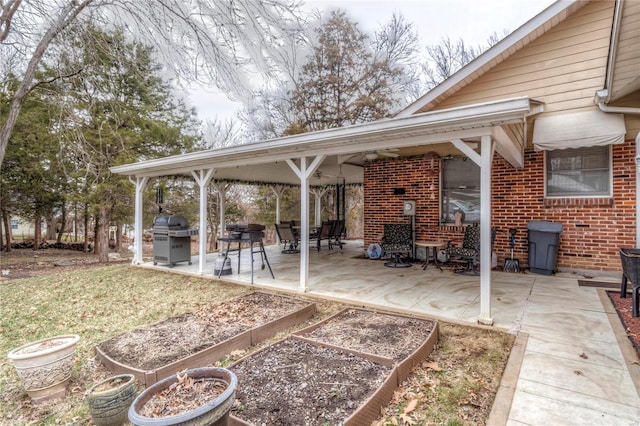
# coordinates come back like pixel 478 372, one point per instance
pixel 325 234
pixel 630 259
pixel 397 241
pixel 287 237
pixel 336 233
pixel 469 253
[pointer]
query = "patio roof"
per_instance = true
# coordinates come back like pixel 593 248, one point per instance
pixel 265 161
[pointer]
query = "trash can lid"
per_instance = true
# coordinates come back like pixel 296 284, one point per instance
pixel 544 226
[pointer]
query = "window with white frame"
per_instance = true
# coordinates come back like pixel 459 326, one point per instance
pixel 460 190
pixel 14 223
pixel 578 172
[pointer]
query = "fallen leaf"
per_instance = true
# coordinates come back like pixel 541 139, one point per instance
pixel 583 356
pixel 410 406
pixel 432 366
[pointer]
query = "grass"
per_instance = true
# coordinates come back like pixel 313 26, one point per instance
pixel 456 386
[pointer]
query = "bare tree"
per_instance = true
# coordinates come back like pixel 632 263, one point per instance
pixel 397 42
pixel 215 42
pixel 447 57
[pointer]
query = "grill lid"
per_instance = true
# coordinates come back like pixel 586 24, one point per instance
pixel 170 222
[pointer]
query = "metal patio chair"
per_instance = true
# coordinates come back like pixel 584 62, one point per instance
pixel 397 241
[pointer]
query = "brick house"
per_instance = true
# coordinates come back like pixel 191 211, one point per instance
pixel 542 126
pixel 584 69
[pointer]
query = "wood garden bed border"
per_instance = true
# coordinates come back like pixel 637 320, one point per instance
pixel 369 411
pixel 213 353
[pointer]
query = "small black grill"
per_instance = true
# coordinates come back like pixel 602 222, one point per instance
pixel 252 231
pixel 171 240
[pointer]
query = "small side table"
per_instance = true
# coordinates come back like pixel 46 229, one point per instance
pixel 434 246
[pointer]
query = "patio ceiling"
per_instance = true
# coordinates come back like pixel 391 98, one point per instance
pixel 344 148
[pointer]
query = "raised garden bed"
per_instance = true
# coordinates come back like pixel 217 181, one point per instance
pixel 196 339
pixel 340 371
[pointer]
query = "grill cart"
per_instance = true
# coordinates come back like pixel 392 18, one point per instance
pixel 171 240
pixel 249 235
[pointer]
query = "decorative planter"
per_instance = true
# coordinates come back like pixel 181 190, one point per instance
pixel 110 399
pixel 44 366
pixel 214 412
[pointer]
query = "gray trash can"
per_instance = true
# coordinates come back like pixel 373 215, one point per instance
pixel 543 239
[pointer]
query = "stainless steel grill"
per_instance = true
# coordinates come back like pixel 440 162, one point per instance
pixel 171 240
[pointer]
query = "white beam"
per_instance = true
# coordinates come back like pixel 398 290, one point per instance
pixel 486 150
pixel 512 151
pixel 141 185
pixel 467 150
pixel 304 172
pixel 202 178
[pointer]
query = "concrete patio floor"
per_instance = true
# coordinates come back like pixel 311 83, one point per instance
pixel 572 369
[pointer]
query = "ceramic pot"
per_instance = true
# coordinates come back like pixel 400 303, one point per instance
pixel 109 400
pixel 44 366
pixel 214 412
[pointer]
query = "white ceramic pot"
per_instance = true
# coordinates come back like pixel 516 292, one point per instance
pixel 44 366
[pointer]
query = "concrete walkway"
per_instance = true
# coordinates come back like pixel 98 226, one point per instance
pixel 572 370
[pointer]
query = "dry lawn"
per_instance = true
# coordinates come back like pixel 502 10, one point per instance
pixel 456 386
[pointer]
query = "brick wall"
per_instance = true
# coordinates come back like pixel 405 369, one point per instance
pixel 594 229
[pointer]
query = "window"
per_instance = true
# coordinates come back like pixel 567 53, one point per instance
pixel 460 190
pixel 14 223
pixel 578 172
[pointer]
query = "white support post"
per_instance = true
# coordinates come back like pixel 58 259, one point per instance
pixel 318 193
pixel 141 185
pixel 278 191
pixel 486 152
pixel 304 173
pixel 222 196
pixel 202 178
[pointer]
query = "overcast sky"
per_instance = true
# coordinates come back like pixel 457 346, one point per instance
pixel 471 20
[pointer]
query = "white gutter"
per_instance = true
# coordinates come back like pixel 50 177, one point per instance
pixel 613 49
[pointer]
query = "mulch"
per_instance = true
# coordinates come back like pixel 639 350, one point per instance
pixel 631 324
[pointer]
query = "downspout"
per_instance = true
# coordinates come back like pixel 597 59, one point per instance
pixel 600 98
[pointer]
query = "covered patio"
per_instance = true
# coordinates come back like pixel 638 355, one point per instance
pixel 568 365
pixel 476 131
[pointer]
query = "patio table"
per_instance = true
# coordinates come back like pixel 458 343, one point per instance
pixel 434 246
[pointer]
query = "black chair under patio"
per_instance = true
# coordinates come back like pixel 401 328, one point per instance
pixel 325 234
pixel 336 233
pixel 397 241
pixel 467 254
pixel 630 259
pixel 287 237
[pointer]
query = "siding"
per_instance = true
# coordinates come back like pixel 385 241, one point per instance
pixel 563 68
pixel 627 63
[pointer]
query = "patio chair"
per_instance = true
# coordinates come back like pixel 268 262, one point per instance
pixel 397 241
pixel 325 234
pixel 469 253
pixel 630 259
pixel 336 233
pixel 287 237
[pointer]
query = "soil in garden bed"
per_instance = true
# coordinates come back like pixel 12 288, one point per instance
pixel 625 312
pixel 296 383
pixel 391 336
pixel 165 342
